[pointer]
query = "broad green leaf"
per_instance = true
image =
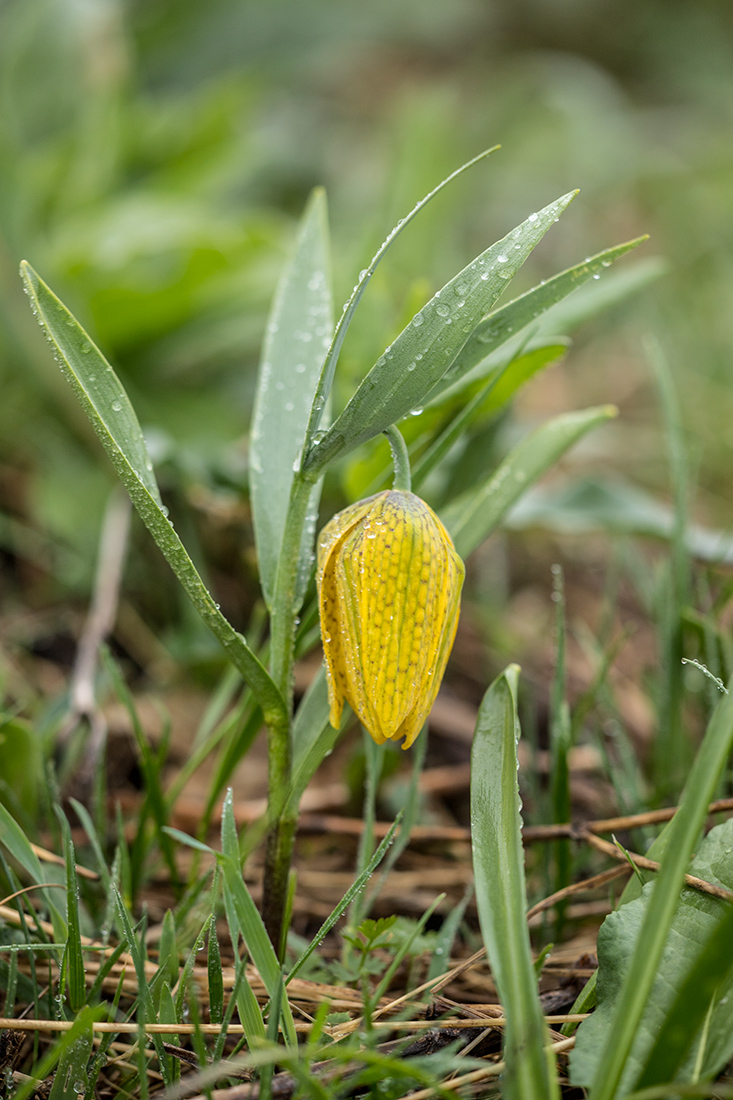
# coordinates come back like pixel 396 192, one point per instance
pixel 113 418
pixel 474 515
pixel 693 972
pixel 498 862
pixel 512 318
pixel 415 362
pixel 682 836
pixel 297 338
pixel 21 766
pixel 499 388
pixel 248 922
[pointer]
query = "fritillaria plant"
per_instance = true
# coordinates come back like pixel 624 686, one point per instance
pixel 389 569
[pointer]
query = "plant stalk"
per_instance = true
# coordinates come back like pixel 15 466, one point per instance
pixel 282 823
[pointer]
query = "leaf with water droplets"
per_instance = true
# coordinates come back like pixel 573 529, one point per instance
pixel 498 864
pixel 506 324
pixel 431 341
pixel 108 407
pixel 94 382
pixel 298 335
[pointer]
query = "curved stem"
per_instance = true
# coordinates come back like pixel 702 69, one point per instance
pixel 400 459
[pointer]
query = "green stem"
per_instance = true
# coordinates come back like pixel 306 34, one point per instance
pixel 400 459
pixel 281 823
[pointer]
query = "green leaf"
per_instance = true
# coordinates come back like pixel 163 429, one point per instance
pixel 298 335
pixel 72 1076
pixel 615 287
pixel 145 1001
pixel 76 976
pixel 113 418
pixel 16 842
pixel 511 319
pixel 682 836
pixel 411 367
pixel 693 973
pixel 474 515
pixel 215 975
pixel 248 922
pixel 326 380
pixel 498 861
pixel 499 388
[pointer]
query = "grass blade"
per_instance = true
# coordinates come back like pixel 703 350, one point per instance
pixel 298 335
pixel 248 921
pixel 415 362
pixel 474 515
pixel 498 860
pixel 76 976
pixel 104 400
pixel 358 885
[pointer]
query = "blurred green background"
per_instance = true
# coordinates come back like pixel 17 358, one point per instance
pixel 155 156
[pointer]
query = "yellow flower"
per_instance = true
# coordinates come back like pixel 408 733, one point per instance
pixel 389 586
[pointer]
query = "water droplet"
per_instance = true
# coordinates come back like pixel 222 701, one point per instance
pixel 442 311
pixel 501 259
pixel 596 275
pixel 418 320
pixel 411 366
pixel 484 275
pixel 117 406
pixel 532 218
pixel 86 347
pixel 289 406
pixel 416 412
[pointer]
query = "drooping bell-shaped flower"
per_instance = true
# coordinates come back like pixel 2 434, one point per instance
pixel 389 586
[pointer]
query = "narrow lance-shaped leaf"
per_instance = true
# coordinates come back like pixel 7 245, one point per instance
pixel 474 515
pixel 511 319
pixel 298 335
pixel 411 366
pixel 498 861
pixel 113 418
pixel 326 380
pixel 500 386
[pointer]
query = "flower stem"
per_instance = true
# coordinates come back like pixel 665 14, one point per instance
pixel 282 824
pixel 400 459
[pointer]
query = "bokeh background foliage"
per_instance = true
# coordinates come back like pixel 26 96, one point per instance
pixel 154 156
